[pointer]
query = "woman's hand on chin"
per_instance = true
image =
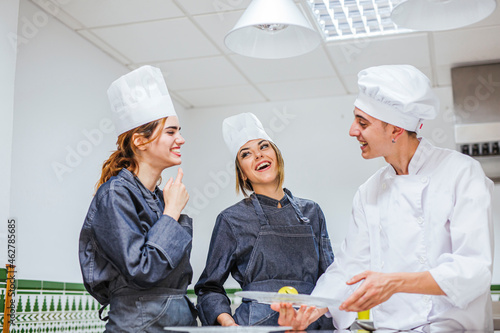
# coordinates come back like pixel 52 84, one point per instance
pixel 175 196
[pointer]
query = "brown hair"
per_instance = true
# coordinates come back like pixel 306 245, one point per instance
pixel 125 154
pixel 244 185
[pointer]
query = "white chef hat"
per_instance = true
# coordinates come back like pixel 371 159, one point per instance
pixel 138 98
pixel 241 128
pixel 400 95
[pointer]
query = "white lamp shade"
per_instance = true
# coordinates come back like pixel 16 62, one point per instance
pixel 434 15
pixel 290 33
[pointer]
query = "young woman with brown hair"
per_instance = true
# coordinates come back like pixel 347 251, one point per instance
pixel 135 244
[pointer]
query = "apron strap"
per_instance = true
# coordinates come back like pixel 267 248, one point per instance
pixel 259 211
pixel 303 287
pixel 295 206
pixel 101 311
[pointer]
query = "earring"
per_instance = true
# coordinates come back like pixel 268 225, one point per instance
pixel 393 141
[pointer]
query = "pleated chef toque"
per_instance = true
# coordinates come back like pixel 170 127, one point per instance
pixel 241 128
pixel 400 95
pixel 138 98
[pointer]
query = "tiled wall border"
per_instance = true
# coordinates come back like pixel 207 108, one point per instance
pixel 55 306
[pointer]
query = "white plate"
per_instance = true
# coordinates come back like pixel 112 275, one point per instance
pixel 267 297
pixel 228 329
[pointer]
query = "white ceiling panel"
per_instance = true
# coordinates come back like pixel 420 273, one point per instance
pixel 200 73
pixel 220 7
pixel 302 89
pixel 308 66
pixel 53 8
pixel 349 58
pixel 91 37
pixel 157 41
pixel 465 46
pixel 95 13
pixel 222 96
pixel 217 26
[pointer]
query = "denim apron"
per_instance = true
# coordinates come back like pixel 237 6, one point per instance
pixel 283 255
pixel 150 310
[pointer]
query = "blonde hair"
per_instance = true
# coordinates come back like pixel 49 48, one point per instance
pixel 125 154
pixel 244 185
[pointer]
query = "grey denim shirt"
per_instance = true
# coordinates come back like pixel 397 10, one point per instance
pixel 127 242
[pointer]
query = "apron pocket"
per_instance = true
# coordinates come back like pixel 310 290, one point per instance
pixel 262 314
pixel 159 311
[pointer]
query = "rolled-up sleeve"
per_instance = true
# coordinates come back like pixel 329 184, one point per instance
pixel 143 254
pixel 465 273
pixel 212 298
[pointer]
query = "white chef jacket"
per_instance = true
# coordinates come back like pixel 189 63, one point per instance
pixel 437 219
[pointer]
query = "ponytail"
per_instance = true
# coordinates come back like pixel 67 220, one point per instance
pixel 125 154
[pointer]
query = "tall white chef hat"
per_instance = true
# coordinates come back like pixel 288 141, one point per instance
pixel 241 128
pixel 400 95
pixel 138 98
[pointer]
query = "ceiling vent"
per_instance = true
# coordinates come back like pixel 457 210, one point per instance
pixel 476 98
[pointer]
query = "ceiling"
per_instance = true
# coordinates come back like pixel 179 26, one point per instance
pixel 185 39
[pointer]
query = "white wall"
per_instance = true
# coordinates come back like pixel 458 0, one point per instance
pixel 8 31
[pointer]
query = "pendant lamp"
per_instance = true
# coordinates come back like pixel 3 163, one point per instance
pixel 434 15
pixel 272 29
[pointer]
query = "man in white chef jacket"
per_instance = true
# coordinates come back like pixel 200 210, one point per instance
pixel 419 248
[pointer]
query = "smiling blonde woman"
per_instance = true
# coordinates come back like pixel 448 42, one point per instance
pixel 269 240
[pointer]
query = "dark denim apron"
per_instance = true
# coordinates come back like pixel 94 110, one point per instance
pixel 149 311
pixel 288 252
